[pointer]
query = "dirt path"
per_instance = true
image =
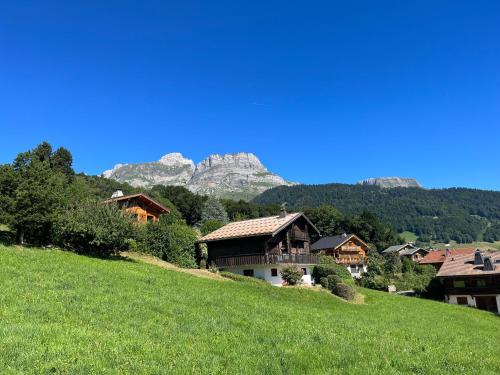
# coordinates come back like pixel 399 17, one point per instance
pixel 149 259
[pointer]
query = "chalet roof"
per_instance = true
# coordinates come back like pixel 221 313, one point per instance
pixel 397 248
pixel 255 227
pixel 412 250
pixel 463 265
pixel 438 256
pixel 141 197
pixel 332 242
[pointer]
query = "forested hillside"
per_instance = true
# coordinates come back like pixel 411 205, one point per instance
pixel 463 215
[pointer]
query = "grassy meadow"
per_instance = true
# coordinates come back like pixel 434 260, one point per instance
pixel 412 237
pixel 61 313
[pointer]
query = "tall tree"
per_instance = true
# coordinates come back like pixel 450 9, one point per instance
pixel 37 197
pixel 214 210
pixel 61 161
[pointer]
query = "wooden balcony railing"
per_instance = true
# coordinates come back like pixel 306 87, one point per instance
pixel 345 259
pixel 254 259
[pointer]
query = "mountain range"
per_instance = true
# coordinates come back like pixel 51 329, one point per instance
pixel 238 176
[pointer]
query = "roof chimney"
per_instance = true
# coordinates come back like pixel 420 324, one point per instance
pixel 488 264
pixel 344 235
pixel 478 257
pixel 447 251
pixel 117 194
pixel 283 212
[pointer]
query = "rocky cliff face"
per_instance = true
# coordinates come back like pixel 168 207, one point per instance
pixel 391 182
pixel 240 175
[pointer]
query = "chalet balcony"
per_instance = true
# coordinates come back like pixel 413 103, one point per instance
pixel 346 259
pixel 254 259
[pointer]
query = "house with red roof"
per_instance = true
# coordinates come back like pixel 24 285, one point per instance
pixel 436 258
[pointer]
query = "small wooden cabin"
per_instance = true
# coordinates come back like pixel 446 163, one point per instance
pixel 140 206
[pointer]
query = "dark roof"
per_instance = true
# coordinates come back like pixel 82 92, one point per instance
pixel 332 242
pixel 142 197
pixel 408 249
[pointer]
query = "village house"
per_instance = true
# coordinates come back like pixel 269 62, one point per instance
pixel 262 247
pixel 436 258
pixel 143 208
pixel 408 250
pixel 347 249
pixel 472 280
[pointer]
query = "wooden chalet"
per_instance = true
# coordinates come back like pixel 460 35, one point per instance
pixel 143 208
pixel 347 249
pixel 472 279
pixel 408 250
pixel 260 247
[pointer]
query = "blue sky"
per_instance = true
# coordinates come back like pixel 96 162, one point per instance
pixel 320 91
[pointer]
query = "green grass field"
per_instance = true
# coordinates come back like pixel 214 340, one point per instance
pixel 411 237
pixel 70 314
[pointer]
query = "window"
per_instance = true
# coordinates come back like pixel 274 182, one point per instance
pixel 274 272
pixel 304 271
pixel 481 282
pixel 150 219
pixel 353 268
pixel 299 245
pixel 458 284
pixel 248 273
pixel 462 300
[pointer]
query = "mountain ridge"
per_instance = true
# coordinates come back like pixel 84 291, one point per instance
pixel 235 175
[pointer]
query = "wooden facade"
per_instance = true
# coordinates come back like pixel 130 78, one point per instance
pixel 346 249
pixel 290 244
pixel 143 208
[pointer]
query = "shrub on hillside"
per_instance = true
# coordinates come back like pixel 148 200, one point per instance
pixel 330 281
pixel 324 270
pixel 344 291
pixel 93 228
pixel 292 275
pixel 209 226
pixel 174 243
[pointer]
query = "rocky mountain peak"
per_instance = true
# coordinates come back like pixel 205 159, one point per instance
pixel 238 175
pixel 237 160
pixel 175 159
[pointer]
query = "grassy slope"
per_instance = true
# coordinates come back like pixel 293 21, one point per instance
pixel 411 237
pixel 60 312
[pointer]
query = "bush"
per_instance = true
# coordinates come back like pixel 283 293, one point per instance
pixel 174 243
pixel 209 226
pixel 132 245
pixel 324 270
pixel 292 275
pixel 344 291
pixel 324 282
pixel 93 228
pixel 333 280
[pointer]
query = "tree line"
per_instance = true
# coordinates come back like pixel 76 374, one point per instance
pixel 460 214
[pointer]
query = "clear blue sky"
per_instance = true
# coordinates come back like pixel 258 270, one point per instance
pixel 320 91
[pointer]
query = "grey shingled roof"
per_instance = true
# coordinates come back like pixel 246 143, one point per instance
pixel 393 249
pixel 396 248
pixel 331 242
